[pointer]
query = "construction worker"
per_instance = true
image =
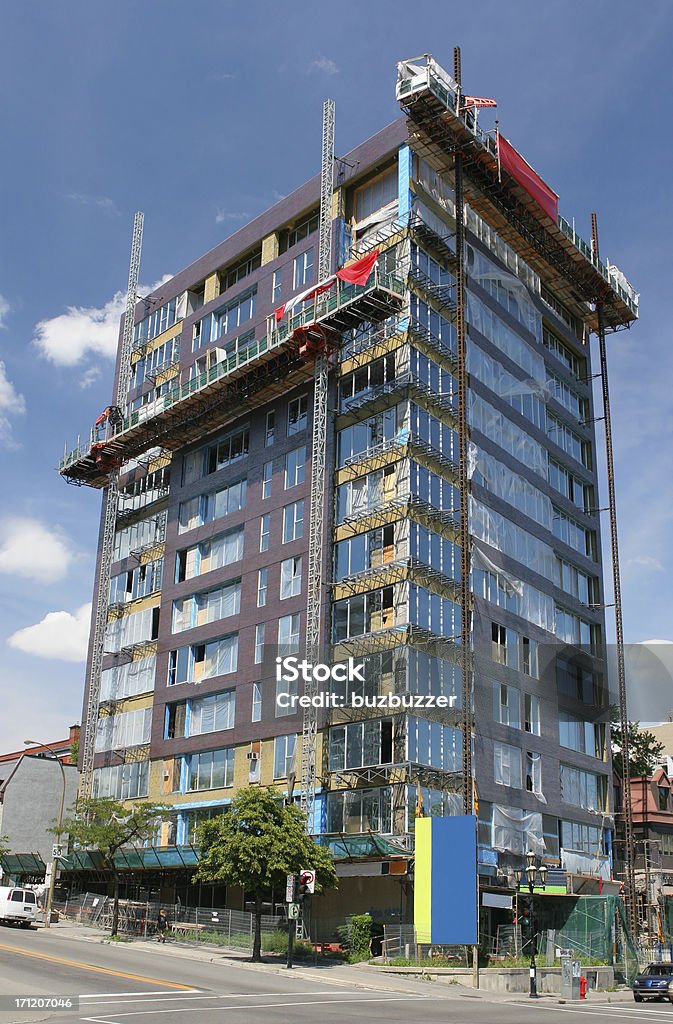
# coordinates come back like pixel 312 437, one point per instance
pixel 162 926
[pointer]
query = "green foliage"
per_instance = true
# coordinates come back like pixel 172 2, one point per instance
pixel 276 942
pixel 255 844
pixel 74 751
pixel 272 942
pixel 644 748
pixel 360 936
pixel 107 825
pixel 4 846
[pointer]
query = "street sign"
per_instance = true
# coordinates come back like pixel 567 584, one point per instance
pixel 307 879
pixel 293 911
pixel 56 851
pixel 289 889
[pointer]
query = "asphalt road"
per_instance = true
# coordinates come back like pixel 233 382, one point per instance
pixel 144 983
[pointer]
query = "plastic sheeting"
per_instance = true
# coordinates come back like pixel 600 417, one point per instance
pixel 493 529
pixel 501 250
pixel 526 396
pixel 495 425
pixel 128 729
pixel 506 591
pixel 128 629
pixel 512 488
pixel 507 289
pixel 517 831
pixel 487 322
pixel 128 679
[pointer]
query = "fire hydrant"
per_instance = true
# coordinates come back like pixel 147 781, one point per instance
pixel 583 987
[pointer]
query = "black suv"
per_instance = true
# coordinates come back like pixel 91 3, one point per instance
pixel 655 982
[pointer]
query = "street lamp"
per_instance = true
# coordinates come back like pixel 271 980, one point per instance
pixel 532 873
pixel 52 864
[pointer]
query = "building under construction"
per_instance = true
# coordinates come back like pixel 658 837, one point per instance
pixel 363 427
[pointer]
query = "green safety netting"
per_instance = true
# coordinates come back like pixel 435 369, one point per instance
pixel 667 919
pixel 594 927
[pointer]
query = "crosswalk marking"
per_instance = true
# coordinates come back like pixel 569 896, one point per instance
pixel 111 1018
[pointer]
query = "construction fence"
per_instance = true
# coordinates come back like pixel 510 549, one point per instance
pixel 592 928
pixel 222 927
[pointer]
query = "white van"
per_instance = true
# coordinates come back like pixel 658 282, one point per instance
pixel 17 906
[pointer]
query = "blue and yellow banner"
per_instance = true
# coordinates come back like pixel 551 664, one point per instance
pixel 445 881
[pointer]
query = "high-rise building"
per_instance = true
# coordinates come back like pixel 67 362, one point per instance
pixel 214 445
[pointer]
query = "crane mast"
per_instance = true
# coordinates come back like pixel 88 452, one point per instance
pixel 108 522
pixel 318 452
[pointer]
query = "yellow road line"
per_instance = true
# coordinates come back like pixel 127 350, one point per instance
pixel 91 967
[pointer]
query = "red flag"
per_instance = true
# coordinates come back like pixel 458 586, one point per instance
pixel 358 272
pixel 521 170
pixel 309 293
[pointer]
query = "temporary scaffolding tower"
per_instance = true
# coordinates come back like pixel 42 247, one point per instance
pixel 108 523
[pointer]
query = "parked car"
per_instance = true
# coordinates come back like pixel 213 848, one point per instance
pixel 17 906
pixel 655 982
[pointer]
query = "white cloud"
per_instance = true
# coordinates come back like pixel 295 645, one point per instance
pixel 4 309
pixel 324 64
pixel 59 635
pixel 11 404
pixel 221 215
pixel 33 551
pixel 647 562
pixel 89 377
pixel 66 339
pixel 100 202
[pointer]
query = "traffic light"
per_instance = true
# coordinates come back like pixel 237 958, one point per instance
pixel 524 913
pixel 306 884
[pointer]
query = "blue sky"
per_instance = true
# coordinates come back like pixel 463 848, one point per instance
pixel 202 115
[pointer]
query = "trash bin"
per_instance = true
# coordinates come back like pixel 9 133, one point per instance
pixel 570 978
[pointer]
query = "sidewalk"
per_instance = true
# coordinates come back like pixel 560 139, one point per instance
pixel 363 976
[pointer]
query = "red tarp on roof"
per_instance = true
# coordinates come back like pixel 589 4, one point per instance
pixel 514 164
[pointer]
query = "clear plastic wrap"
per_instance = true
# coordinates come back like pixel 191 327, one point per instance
pixel 499 479
pixel 528 397
pixel 507 289
pixel 492 528
pixel 495 425
pixel 504 590
pixel 486 321
pixel 517 831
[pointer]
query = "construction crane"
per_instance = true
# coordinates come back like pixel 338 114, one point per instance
pixel 319 444
pixel 108 521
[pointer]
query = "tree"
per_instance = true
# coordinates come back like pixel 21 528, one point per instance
pixel 4 846
pixel 255 844
pixel 644 749
pixel 106 826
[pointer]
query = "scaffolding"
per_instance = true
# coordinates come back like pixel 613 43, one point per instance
pixel 314 587
pixel 441 127
pixel 108 525
pixel 265 370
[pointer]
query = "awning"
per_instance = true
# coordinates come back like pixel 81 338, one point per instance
pixel 133 859
pixel 23 864
pixel 357 847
